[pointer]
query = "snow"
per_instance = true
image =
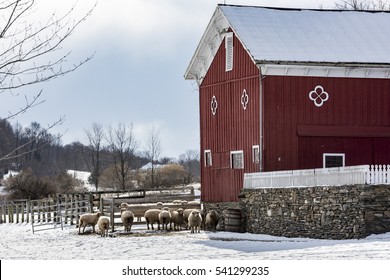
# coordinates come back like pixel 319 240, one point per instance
pixel 19 243
pixel 83 177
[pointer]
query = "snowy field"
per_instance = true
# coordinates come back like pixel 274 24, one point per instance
pixel 18 242
pixel 48 254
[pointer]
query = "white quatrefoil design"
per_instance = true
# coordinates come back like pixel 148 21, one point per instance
pixel 244 99
pixel 318 96
pixel 214 105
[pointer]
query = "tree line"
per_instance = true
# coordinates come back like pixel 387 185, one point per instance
pixel 112 155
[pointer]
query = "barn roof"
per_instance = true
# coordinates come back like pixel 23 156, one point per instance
pixel 297 36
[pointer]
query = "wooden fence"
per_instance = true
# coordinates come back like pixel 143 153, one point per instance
pixel 45 210
pixel 337 176
pixel 65 209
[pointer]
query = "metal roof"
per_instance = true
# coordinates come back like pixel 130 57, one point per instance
pixel 298 36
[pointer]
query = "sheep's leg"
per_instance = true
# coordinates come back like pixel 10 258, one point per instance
pixel 147 223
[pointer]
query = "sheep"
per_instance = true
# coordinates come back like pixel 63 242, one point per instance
pixel 151 217
pixel 89 219
pixel 160 205
pixel 194 221
pixel 165 218
pixel 127 218
pixel 186 214
pixel 124 205
pixel 203 215
pixel 177 218
pixel 211 220
pixel 104 225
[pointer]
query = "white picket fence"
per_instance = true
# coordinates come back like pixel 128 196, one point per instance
pixel 337 176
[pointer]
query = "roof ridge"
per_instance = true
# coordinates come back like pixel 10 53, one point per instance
pixel 301 9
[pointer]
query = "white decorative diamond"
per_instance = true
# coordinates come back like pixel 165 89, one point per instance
pixel 244 99
pixel 318 96
pixel 214 105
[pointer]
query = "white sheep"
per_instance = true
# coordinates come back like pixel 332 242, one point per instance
pixel 127 218
pixel 160 205
pixel 151 217
pixel 165 218
pixel 104 225
pixel 211 220
pixel 177 218
pixel 88 219
pixel 186 214
pixel 124 205
pixel 194 221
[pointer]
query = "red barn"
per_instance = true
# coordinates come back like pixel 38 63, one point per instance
pixel 283 89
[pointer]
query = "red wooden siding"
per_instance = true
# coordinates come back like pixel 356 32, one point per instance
pixel 355 120
pixel 231 128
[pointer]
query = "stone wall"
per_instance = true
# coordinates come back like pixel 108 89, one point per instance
pixel 317 212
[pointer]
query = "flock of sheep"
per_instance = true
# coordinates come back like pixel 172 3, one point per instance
pixel 165 218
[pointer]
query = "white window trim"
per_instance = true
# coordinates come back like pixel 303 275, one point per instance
pixel 205 158
pixel 332 154
pixel 254 148
pixel 231 159
pixel 229 51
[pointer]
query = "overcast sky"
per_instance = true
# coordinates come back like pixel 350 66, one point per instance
pixel 142 49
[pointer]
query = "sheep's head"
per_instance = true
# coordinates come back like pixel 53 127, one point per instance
pixel 180 211
pixel 195 213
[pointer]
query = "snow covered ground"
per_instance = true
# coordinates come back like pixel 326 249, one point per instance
pixel 48 254
pixel 18 242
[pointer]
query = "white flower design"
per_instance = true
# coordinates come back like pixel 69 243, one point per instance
pixel 214 105
pixel 318 96
pixel 244 99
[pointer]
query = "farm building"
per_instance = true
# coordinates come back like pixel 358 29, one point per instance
pixel 286 89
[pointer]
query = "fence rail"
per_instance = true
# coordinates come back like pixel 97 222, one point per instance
pixel 337 176
pixel 50 216
pixel 65 209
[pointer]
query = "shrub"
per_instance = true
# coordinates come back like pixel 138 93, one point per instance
pixel 26 185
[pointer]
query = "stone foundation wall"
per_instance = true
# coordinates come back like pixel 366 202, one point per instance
pixel 343 212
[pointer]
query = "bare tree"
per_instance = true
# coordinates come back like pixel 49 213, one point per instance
pixel 123 145
pixel 153 152
pixel 95 137
pixel 362 5
pixel 32 52
pixel 190 161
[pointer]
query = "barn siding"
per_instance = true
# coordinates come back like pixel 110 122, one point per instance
pixel 355 115
pixel 231 128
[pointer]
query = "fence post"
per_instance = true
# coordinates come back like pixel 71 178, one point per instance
pixel 1 213
pixel 112 215
pixel 10 213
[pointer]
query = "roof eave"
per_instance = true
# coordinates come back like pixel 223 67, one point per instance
pixel 207 47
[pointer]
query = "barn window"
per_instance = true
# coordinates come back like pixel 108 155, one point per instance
pixel 207 158
pixel 333 160
pixel 229 51
pixel 256 154
pixel 237 159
